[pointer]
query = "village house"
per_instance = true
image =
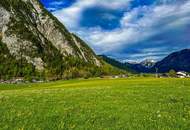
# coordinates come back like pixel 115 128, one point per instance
pixel 182 74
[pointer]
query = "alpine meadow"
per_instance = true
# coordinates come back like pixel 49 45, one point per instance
pixel 94 65
pixel 133 104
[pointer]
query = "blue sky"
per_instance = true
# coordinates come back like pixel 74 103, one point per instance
pixel 129 30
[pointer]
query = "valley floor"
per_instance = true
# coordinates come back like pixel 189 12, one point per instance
pixel 97 104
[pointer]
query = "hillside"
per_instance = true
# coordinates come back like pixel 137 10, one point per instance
pixel 178 61
pixel 33 42
pixel 129 67
pixel 115 63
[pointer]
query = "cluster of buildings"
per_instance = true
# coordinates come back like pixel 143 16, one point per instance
pixel 179 74
pixel 20 81
pixel 182 74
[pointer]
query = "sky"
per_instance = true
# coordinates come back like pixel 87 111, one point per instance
pixel 128 30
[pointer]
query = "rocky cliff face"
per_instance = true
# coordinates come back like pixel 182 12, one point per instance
pixel 30 32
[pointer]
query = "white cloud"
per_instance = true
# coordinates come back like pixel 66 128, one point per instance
pixel 70 16
pixel 137 25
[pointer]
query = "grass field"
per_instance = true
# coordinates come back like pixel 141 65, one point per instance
pixel 97 104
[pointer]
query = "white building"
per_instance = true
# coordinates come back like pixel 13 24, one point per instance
pixel 182 74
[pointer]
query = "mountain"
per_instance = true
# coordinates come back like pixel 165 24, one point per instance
pixel 34 42
pixel 115 63
pixel 142 67
pixel 178 61
pixel 148 63
pixel 134 67
pixel 138 68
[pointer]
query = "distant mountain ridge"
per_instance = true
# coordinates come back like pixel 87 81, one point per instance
pixel 130 67
pixel 115 63
pixel 148 63
pixel 178 61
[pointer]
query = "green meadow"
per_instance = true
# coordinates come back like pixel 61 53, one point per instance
pixel 97 104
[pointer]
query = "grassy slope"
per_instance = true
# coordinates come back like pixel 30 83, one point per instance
pixel 97 104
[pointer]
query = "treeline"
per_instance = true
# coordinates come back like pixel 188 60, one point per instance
pixel 10 67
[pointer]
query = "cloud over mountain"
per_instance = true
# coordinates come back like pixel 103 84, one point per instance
pixel 128 29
